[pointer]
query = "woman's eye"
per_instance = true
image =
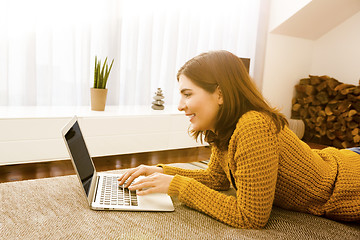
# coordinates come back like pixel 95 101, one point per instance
pixel 187 95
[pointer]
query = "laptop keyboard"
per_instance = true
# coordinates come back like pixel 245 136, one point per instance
pixel 113 194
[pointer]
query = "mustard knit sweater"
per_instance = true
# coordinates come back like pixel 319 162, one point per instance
pixel 268 168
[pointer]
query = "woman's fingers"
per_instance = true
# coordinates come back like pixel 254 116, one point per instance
pixel 155 183
pixel 130 175
pixel 133 176
pixel 143 183
pixel 122 178
pixel 133 173
pixel 125 176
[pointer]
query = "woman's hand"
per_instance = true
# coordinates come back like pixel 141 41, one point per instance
pixel 133 173
pixel 155 183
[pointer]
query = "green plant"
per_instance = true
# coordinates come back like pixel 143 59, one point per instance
pixel 101 74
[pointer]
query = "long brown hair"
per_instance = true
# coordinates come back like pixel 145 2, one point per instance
pixel 225 70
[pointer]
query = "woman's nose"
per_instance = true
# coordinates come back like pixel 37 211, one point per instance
pixel 181 106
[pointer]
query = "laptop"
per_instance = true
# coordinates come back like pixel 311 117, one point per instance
pixel 102 189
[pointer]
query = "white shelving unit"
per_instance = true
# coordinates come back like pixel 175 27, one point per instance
pixel 33 134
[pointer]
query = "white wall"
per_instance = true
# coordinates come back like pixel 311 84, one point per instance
pixel 281 10
pixel 337 53
pixel 288 59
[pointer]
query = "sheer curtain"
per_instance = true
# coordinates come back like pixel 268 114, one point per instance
pixel 48 47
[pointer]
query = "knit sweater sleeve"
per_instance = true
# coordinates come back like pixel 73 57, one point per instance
pixel 212 177
pixel 255 158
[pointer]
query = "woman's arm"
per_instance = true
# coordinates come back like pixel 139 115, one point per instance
pixel 213 177
pixel 255 152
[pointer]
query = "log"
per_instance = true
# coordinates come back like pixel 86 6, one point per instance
pixel 356 106
pixel 321 86
pixel 322 97
pixel 344 106
pixel 347 91
pixel 330 135
pixel 356 139
pixel 352 125
pixel 315 80
pixel 332 83
pixel 355 131
pixel 357 91
pixel 304 81
pixel 352 112
pixel 343 86
pixel 331 118
pixel 328 109
pixel 307 89
pixel 296 107
pixel 345 144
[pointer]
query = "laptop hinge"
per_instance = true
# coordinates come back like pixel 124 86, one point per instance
pixel 96 188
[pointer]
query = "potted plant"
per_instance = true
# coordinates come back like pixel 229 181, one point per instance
pixel 99 91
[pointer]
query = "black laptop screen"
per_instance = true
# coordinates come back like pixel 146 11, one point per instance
pixel 80 155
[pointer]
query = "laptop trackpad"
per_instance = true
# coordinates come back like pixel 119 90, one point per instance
pixel 156 202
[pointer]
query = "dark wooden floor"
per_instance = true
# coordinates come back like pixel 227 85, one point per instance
pixel 27 171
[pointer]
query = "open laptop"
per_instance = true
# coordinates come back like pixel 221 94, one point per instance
pixel 102 189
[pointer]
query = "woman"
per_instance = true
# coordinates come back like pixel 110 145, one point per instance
pixel 252 149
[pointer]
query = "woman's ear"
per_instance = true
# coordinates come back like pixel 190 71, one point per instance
pixel 220 96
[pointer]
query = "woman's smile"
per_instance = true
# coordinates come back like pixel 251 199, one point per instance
pixel 191 116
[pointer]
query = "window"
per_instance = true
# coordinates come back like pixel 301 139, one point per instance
pixel 48 48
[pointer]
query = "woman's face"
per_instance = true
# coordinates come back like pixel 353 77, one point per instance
pixel 199 105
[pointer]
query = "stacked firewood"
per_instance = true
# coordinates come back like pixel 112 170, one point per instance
pixel 330 110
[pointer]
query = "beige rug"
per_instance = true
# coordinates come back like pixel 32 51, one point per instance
pixel 54 208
